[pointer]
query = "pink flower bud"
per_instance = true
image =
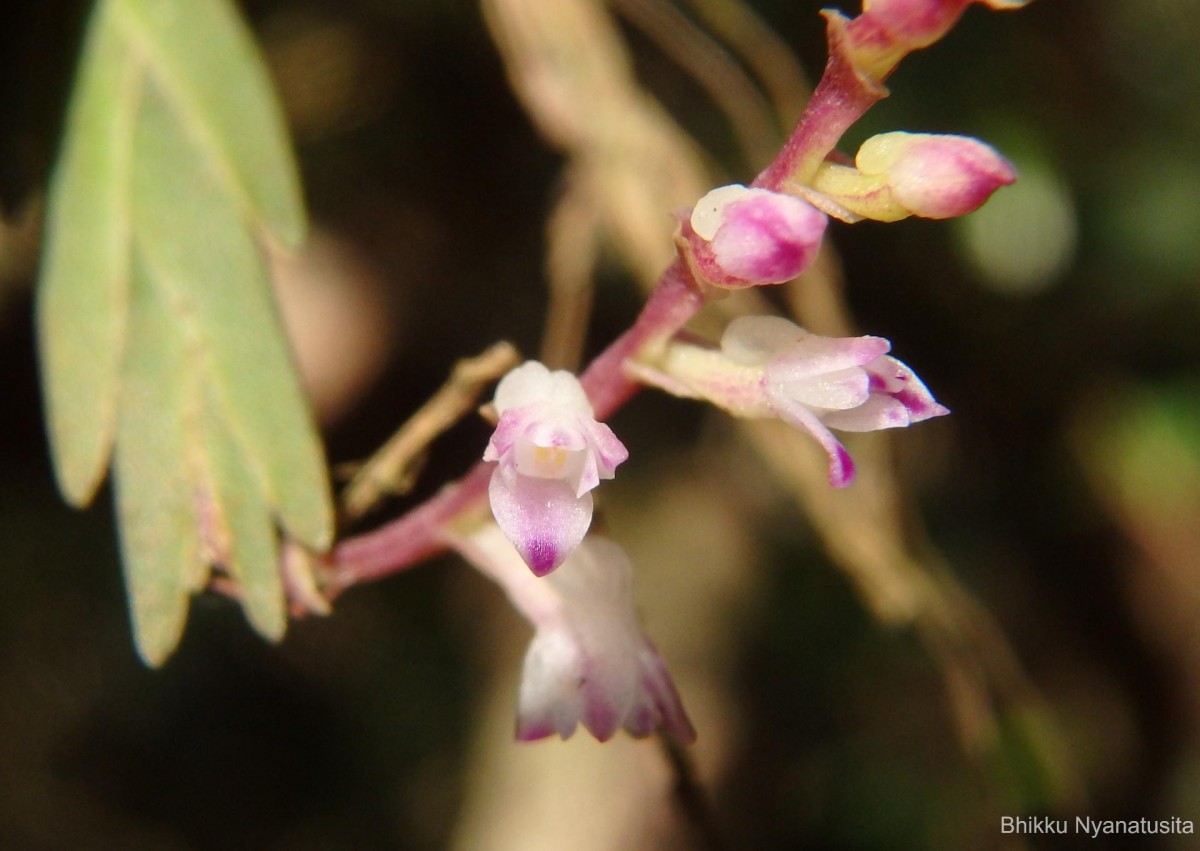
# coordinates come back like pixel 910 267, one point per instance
pixel 739 237
pixel 937 177
pixel 887 30
pixel 551 454
pixel 913 23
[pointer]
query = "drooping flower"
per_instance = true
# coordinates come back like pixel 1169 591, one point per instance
pixel 738 237
pixel 770 367
pixel 550 454
pixel 589 662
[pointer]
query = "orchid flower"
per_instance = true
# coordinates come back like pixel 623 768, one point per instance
pixel 550 454
pixel 589 662
pixel 770 367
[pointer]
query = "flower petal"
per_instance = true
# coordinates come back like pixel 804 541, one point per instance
pixel 841 465
pixel 754 340
pixel 832 391
pixel 543 518
pixel 658 703
pixel 532 383
pixel 878 412
pixel 813 355
pixel 609 450
pixel 549 700
pixel 525 385
pixel 709 213
pixel 508 431
pixel 897 380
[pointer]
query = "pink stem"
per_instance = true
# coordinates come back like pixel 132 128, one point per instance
pixel 419 534
pixel 840 99
pixel 407 540
pixel 675 300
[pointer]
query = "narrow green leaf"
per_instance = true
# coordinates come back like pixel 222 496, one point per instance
pixel 156 321
pixel 252 551
pixel 83 294
pixel 217 83
pixel 161 545
pixel 197 243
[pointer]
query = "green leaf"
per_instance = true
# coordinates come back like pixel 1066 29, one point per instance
pixel 206 62
pixel 197 246
pixel 83 297
pixel 157 322
pixel 243 524
pixel 161 544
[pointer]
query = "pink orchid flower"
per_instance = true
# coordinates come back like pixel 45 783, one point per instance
pixel 589 662
pixel 818 383
pixel 550 454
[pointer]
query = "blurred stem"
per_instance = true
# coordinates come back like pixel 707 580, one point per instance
pixel 391 469
pixel 763 52
pixel 572 245
pixel 712 67
pixel 689 794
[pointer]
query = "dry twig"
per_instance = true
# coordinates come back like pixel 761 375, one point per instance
pixel 389 470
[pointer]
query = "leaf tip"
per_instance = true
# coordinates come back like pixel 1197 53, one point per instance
pixel 156 638
pixel 80 463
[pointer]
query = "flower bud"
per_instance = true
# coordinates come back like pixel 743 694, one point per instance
pixel 738 237
pixel 913 24
pixel 888 30
pixel 913 174
pixel 936 177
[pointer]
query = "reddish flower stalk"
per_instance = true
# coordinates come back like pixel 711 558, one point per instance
pixel 862 53
pixel 419 534
pixel 409 539
pixel 840 99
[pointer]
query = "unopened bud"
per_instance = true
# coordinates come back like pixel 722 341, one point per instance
pixel 911 174
pixel 738 237
pixel 933 176
pixel 887 30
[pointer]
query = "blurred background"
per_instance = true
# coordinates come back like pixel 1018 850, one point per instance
pixel 1052 520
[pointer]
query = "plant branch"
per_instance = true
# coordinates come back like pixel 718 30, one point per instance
pixel 390 468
